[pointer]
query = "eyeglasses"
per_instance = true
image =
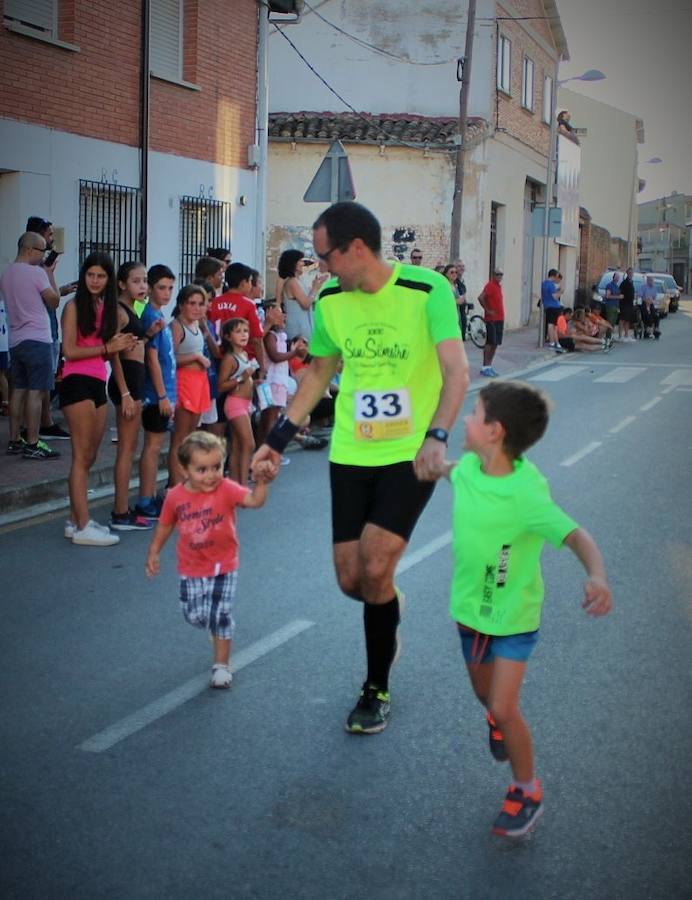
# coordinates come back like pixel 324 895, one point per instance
pixel 416 257
pixel 342 248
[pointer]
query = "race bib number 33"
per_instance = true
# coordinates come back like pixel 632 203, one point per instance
pixel 382 415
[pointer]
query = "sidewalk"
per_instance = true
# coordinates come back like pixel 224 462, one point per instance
pixel 33 487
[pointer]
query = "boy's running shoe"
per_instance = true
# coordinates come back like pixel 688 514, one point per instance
pixel 370 714
pixel 16 448
pixel 519 812
pixel 130 521
pixel 39 450
pixel 496 741
pixel 221 676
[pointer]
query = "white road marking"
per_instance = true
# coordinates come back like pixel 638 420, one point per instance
pixel 412 559
pixel 685 388
pixel 559 373
pixel 667 390
pixel 623 424
pixel 580 454
pixel 620 374
pixel 678 377
pixel 128 726
pixel 650 404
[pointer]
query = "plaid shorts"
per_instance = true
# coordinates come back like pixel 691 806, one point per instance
pixel 208 603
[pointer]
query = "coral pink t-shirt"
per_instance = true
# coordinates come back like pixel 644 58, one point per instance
pixel 207 538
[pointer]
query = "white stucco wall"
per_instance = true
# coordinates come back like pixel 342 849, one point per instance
pixel 431 34
pixel 407 190
pixel 44 169
pixel 608 162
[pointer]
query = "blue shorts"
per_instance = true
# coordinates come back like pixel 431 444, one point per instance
pixel 31 364
pixel 487 646
pixel 208 603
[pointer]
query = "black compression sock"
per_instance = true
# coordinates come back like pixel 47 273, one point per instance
pixel 380 621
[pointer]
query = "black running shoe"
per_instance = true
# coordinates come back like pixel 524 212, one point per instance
pixel 519 812
pixel 370 714
pixel 496 741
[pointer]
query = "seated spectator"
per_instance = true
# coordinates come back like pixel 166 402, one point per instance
pixel 649 313
pixel 28 288
pixel 600 327
pixel 562 329
pixel 580 333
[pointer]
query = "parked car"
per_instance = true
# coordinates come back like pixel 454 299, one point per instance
pixel 672 288
pixel 662 297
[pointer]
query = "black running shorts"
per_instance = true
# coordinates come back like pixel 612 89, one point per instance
pixel 388 496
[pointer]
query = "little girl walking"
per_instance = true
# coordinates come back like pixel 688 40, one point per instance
pixel 235 377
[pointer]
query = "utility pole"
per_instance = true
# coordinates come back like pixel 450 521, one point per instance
pixel 455 236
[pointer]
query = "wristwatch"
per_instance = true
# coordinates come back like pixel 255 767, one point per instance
pixel 438 434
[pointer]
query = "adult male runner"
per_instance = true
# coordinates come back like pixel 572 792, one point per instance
pixel 403 382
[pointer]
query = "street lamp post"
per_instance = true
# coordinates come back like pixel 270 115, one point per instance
pixel 589 75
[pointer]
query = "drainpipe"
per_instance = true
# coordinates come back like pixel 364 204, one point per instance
pixel 144 129
pixel 457 201
pixel 262 140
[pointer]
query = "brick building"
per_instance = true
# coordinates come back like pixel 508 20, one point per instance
pixel 398 69
pixel 145 167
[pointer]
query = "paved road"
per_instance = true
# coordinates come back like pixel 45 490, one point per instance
pixel 113 787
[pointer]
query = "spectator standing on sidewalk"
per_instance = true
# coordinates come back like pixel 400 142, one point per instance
pixel 159 387
pixel 290 294
pixel 49 429
pixel 90 336
pixel 235 303
pixel 613 297
pixel 626 316
pixel 551 291
pixel 28 288
pixel 126 391
pixel 492 301
pixel 4 362
pixel 416 257
pixel 461 296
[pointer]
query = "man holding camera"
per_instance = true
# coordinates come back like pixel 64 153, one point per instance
pixel 38 225
pixel 28 288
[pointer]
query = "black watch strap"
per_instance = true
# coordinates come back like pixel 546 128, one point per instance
pixel 438 434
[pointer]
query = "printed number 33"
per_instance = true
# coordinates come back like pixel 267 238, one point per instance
pixel 384 405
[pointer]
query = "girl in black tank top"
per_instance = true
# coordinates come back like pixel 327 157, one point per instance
pixel 126 389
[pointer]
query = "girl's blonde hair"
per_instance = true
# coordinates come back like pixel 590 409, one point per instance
pixel 199 440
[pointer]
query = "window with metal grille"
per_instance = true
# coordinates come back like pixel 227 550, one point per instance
pixel 39 14
pixel 203 224
pixel 110 220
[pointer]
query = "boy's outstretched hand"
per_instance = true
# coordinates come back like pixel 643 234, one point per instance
pixel 152 566
pixel 597 597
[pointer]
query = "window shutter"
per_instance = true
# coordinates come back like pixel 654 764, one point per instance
pixel 35 13
pixel 166 38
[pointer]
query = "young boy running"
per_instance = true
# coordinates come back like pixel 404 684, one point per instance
pixel 202 508
pixel 502 516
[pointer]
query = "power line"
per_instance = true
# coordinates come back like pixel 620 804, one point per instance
pixel 369 122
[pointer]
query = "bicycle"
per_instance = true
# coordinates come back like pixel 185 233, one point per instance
pixel 475 329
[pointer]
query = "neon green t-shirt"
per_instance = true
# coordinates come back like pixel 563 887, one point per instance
pixel 499 528
pixel 391 380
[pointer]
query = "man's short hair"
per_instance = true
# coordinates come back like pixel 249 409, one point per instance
pixel 236 273
pixel 348 220
pixel 37 224
pixel 157 272
pixel 27 241
pixel 522 410
pixel 552 273
pixel 218 253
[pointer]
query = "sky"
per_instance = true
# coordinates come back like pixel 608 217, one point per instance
pixel 645 51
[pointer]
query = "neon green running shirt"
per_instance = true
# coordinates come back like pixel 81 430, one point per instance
pixel 499 528
pixel 391 380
